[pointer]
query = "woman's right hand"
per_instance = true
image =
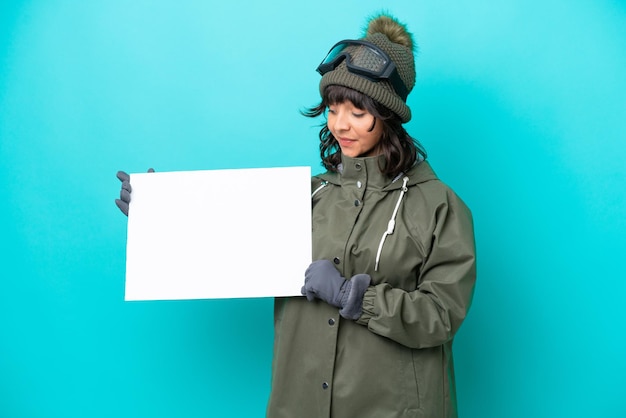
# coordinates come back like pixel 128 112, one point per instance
pixel 124 199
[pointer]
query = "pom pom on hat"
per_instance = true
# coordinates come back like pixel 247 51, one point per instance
pixel 395 31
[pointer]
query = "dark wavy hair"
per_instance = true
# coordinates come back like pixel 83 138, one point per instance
pixel 401 151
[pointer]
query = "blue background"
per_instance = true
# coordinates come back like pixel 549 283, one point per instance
pixel 520 104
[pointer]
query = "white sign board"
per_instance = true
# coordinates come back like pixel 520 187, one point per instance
pixel 218 234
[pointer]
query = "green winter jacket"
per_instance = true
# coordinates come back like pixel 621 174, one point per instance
pixel 414 236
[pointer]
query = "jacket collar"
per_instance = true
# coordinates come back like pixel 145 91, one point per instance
pixel 353 169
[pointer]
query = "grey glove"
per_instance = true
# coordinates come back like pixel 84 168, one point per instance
pixel 323 281
pixel 124 199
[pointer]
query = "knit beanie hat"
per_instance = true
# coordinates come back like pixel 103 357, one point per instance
pixel 392 37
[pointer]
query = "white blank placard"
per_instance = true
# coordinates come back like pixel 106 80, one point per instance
pixel 218 234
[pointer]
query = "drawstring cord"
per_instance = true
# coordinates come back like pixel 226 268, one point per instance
pixel 323 184
pixel 392 222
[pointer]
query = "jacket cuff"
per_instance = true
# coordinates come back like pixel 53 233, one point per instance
pixel 367 311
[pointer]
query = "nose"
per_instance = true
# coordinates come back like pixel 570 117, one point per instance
pixel 340 121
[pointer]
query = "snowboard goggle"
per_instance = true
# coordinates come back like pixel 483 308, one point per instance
pixel 366 60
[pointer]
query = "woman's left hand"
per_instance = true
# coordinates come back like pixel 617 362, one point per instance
pixel 323 281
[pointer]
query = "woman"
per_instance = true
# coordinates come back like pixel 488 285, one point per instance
pixel 394 268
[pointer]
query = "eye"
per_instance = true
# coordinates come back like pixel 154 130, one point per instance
pixel 331 110
pixel 358 115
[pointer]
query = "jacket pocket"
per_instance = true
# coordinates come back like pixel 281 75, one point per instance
pixel 428 368
pixel 412 381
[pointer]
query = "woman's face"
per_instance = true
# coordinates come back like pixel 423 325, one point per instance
pixel 356 130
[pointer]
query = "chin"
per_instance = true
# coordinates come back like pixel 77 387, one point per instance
pixel 350 153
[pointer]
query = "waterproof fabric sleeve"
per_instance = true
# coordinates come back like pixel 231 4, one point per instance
pixel 430 315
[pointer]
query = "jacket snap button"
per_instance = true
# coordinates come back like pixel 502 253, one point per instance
pixel 336 260
pixel 359 184
pixel 357 202
pixel 357 166
pixel 331 321
pixel 324 385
